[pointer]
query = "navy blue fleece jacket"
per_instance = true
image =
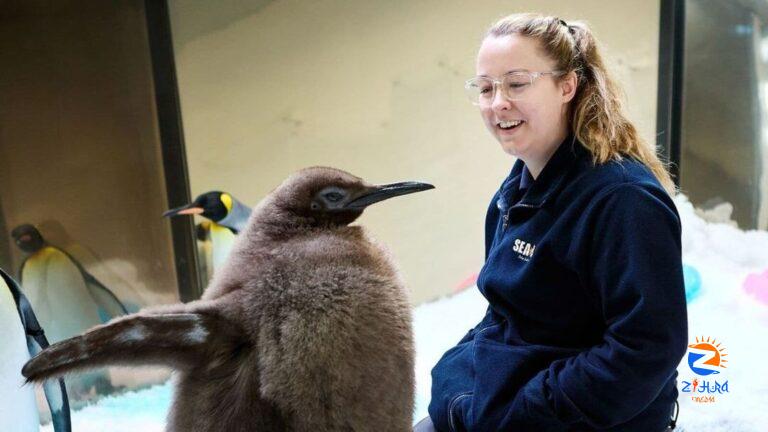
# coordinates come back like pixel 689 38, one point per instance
pixel 587 318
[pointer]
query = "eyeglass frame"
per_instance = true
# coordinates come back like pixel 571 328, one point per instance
pixel 497 82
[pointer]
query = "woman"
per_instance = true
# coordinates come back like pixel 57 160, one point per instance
pixel 583 274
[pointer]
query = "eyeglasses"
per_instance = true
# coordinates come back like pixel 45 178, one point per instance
pixel 514 86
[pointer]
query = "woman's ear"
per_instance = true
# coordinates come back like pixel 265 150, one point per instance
pixel 568 85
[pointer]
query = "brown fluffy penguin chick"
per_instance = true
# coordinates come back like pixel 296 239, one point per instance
pixel 307 326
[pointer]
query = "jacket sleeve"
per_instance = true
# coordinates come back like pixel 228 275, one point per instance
pixel 634 265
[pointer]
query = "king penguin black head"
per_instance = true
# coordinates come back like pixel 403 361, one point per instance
pixel 213 205
pixel 27 238
pixel 322 196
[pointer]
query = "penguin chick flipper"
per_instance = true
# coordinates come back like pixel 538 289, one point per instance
pixel 178 340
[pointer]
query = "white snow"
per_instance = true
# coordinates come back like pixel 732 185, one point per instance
pixel 140 411
pixel 723 255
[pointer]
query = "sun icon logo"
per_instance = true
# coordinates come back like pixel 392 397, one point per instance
pixel 705 357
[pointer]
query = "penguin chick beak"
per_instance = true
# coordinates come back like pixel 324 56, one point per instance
pixel 188 209
pixel 387 191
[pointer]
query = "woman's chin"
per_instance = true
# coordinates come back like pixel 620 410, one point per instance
pixel 512 147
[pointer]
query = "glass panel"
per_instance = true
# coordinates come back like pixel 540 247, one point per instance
pixel 722 156
pixel 80 163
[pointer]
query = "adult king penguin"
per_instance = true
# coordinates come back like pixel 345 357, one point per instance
pixel 307 327
pixel 23 337
pixel 227 217
pixel 67 298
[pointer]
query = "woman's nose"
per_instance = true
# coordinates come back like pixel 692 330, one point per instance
pixel 499 102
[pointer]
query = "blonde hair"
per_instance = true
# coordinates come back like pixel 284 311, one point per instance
pixel 596 112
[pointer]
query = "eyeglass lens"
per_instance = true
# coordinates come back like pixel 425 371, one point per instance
pixel 513 87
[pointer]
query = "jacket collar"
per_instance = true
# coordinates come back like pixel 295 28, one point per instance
pixel 550 179
pixel 526 179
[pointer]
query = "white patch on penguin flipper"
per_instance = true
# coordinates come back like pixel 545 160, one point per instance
pixel 198 334
pixel 134 334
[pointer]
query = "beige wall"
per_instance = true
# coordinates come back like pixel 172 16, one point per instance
pixel 375 88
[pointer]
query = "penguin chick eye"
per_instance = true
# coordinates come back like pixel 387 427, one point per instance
pixel 333 196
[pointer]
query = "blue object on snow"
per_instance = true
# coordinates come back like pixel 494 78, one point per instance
pixel 692 280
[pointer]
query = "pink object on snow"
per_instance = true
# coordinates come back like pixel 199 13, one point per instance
pixel 756 285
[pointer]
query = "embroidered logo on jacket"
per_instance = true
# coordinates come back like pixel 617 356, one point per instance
pixel 524 249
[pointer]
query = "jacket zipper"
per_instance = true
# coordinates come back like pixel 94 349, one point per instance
pixel 505 218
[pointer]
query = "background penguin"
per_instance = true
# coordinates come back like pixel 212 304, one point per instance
pixel 18 409
pixel 205 249
pixel 23 337
pixel 226 218
pixel 307 327
pixel 67 299
pixel 49 274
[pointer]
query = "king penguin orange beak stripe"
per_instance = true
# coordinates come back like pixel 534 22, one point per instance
pixel 183 210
